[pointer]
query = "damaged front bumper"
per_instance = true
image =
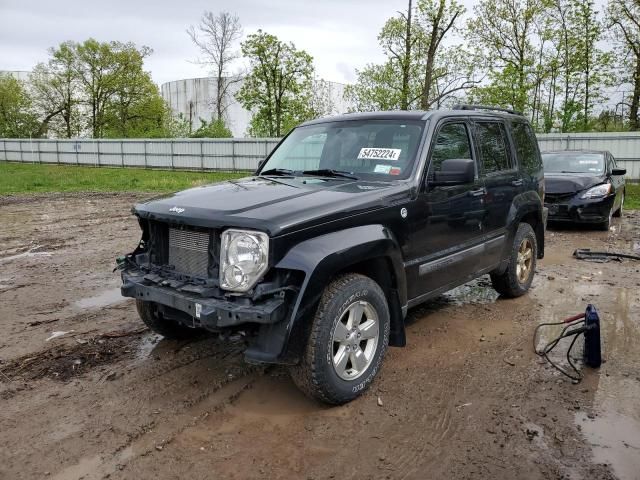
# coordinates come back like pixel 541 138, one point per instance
pixel 581 210
pixel 206 312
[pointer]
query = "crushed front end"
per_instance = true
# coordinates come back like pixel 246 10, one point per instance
pixel 177 267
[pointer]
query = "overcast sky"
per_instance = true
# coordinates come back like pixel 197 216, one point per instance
pixel 341 35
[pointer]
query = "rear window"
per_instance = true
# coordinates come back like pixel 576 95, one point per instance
pixel 526 147
pixel 573 162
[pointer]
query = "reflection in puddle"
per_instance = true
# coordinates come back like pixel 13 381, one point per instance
pixel 614 439
pixel 148 344
pixel 108 297
pixel 477 291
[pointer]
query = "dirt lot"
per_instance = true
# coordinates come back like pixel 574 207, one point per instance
pixel 467 398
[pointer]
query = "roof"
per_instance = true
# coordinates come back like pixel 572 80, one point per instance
pixel 382 115
pixel 414 115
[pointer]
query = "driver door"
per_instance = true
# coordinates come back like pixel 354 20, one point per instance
pixel 447 228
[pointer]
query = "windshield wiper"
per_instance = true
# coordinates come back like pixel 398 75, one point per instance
pixel 277 171
pixel 329 172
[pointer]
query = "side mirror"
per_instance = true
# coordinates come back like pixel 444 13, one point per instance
pixel 618 171
pixel 455 171
pixel 260 164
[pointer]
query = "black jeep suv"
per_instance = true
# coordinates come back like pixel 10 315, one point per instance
pixel 350 221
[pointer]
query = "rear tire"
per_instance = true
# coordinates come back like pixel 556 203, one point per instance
pixel 516 279
pixel 348 340
pixel 170 329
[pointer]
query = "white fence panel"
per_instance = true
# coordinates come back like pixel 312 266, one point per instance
pixel 111 153
pixel 246 153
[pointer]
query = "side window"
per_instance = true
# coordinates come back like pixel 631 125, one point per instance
pixel 452 141
pixel 526 147
pixel 492 140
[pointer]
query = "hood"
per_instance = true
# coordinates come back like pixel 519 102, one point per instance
pixel 558 183
pixel 275 206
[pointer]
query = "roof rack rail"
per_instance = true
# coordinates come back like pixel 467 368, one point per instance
pixel 464 106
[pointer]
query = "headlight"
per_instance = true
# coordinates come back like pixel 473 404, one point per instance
pixel 597 191
pixel 244 258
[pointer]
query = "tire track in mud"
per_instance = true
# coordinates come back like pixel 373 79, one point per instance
pixel 181 403
pixel 169 388
pixel 448 413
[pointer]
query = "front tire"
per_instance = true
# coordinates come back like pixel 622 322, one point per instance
pixel 618 213
pixel 348 340
pixel 170 329
pixel 516 279
pixel 604 226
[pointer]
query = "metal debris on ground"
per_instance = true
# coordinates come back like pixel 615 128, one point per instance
pixel 601 257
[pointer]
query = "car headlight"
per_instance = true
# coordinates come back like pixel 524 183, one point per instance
pixel 244 258
pixel 598 191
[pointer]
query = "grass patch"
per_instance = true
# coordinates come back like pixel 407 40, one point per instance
pixel 632 196
pixel 19 178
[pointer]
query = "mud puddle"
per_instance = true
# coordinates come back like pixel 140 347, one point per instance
pixel 63 362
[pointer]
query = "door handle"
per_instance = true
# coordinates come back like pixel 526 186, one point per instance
pixel 477 193
pixel 517 183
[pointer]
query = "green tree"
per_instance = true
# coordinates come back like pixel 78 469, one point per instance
pixel 379 87
pixel 593 62
pixel 17 118
pixel 135 109
pixel 278 87
pixel 175 126
pixel 437 18
pixel 419 71
pixel 624 18
pixel 213 129
pixel 103 70
pixel 503 30
pixel 54 86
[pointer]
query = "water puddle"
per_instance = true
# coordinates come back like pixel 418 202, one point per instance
pixel 478 291
pixel 148 344
pixel 612 428
pixel 106 298
pixel 615 440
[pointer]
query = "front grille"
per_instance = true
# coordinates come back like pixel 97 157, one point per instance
pixel 558 197
pixel 189 252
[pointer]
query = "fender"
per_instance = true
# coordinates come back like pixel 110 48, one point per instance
pixel 320 258
pixel 524 204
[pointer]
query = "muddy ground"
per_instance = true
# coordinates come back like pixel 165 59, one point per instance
pixel 467 398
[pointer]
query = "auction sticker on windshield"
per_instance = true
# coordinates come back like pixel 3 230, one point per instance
pixel 379 153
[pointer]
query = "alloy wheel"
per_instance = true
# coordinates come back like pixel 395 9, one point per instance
pixel 355 340
pixel 524 260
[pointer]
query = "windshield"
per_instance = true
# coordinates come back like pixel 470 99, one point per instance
pixel 373 149
pixel 573 162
